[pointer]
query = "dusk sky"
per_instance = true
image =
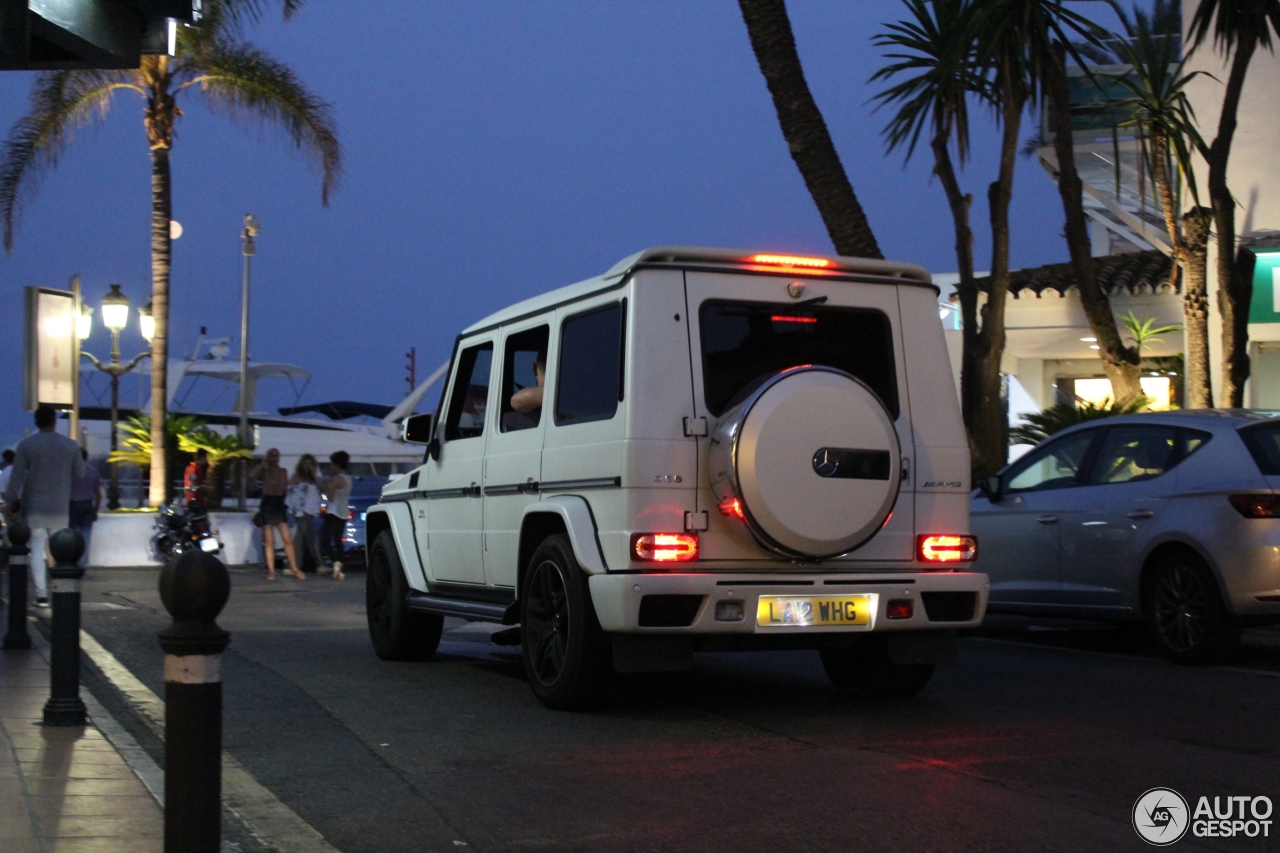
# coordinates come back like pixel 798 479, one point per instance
pixel 494 150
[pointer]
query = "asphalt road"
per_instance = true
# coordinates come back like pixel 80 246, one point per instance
pixel 1040 738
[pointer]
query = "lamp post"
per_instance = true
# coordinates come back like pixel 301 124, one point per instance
pixel 248 247
pixel 115 316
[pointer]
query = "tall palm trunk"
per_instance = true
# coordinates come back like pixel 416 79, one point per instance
pixel 967 288
pixel 1119 362
pixel 1190 244
pixel 1195 307
pixel 159 118
pixel 1235 291
pixel 987 439
pixel 805 130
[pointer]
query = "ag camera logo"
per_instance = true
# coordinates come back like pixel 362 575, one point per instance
pixel 1160 817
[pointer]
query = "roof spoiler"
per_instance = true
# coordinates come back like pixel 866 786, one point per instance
pixel 750 260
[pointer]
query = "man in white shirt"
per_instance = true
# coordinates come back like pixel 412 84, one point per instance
pixel 45 468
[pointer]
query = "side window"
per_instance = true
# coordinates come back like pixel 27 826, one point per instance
pixel 524 367
pixel 1132 453
pixel 1056 466
pixel 589 382
pixel 470 393
pixel 1192 440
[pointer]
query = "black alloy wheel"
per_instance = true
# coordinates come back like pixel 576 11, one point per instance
pixel 1185 615
pixel 565 650
pixel 397 633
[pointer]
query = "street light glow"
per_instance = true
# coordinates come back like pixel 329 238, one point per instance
pixel 146 322
pixel 115 309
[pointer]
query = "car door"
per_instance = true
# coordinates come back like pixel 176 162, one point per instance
pixel 1126 493
pixel 1019 532
pixel 455 511
pixel 513 454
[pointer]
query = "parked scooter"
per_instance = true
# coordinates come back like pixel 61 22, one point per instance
pixel 180 529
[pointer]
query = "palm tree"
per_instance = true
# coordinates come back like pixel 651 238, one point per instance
pixel 1239 27
pixel 1054 419
pixel 234 77
pixel 804 129
pixel 1047 28
pixel 191 434
pixel 1163 115
pixel 933 53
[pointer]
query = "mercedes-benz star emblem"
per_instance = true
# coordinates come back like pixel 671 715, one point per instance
pixel 825 463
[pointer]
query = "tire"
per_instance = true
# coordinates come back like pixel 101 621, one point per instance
pixel 864 670
pixel 396 631
pixel 1186 619
pixel 565 651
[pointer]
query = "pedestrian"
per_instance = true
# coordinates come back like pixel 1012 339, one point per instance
pixel 338 490
pixel 86 500
pixel 275 481
pixel 6 471
pixel 45 468
pixel 193 479
pixel 304 504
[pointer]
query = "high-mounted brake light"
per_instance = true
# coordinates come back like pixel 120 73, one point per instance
pixel 1256 506
pixel 791 318
pixel 790 261
pixel 664 547
pixel 947 548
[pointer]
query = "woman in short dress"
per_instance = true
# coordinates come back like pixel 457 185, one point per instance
pixel 304 503
pixel 275 481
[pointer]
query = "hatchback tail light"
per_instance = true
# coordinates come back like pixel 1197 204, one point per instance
pixel 946 548
pixel 1256 506
pixel 664 547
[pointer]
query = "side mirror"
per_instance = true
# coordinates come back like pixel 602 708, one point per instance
pixel 417 429
pixel 991 488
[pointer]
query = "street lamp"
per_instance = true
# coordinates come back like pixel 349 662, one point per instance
pixel 115 316
pixel 248 248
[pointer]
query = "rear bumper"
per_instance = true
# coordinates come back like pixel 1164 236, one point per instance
pixel 618 597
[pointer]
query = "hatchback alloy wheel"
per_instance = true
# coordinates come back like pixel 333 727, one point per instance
pixel 1185 614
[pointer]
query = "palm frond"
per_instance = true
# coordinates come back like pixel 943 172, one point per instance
pixel 1054 419
pixel 1233 22
pixel 933 50
pixel 62 102
pixel 1157 83
pixel 250 86
pixel 1145 331
pixel 219 448
pixel 222 19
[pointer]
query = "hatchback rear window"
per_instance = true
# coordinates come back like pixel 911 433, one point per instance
pixel 1264 445
pixel 744 343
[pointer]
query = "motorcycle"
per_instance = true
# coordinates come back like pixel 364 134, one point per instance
pixel 181 529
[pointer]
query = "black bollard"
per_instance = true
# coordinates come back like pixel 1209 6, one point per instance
pixel 193 589
pixel 64 707
pixel 17 637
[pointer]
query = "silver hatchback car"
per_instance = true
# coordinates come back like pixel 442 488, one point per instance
pixel 1171 518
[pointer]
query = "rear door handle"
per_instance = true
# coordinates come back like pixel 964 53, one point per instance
pixel 1047 519
pixel 1142 513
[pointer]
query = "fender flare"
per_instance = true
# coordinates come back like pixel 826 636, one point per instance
pixel 400 520
pixel 579 523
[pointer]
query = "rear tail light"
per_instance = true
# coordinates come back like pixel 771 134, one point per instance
pixel 664 547
pixel 1256 506
pixel 946 548
pixel 351 513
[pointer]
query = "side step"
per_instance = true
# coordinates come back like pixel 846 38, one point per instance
pixel 474 611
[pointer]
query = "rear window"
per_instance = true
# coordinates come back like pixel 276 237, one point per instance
pixel 1264 445
pixel 744 343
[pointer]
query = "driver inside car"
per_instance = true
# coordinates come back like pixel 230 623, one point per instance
pixel 527 402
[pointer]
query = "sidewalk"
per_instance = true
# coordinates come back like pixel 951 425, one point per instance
pixel 64 790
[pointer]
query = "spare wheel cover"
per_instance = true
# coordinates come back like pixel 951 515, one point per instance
pixel 816 462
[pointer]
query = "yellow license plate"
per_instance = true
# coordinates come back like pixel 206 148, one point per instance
pixel 777 611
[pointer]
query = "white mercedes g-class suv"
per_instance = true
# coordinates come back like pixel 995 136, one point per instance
pixel 700 450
